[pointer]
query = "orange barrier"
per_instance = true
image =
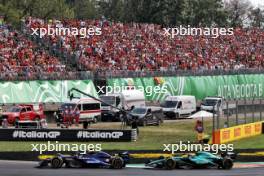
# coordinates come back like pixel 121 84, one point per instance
pixel 237 132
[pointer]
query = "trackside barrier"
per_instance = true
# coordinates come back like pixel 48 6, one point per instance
pixel 225 135
pixel 104 135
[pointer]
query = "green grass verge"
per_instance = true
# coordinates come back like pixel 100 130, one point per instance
pixel 256 142
pixel 150 138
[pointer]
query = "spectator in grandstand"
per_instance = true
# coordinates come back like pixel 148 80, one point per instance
pixel 142 47
pixel 21 57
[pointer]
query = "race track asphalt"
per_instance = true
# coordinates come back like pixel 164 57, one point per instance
pixel 22 168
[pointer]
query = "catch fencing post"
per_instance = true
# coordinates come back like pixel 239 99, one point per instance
pixel 236 111
pixel 218 118
pixel 260 102
pixel 252 109
pixel 213 121
pixel 227 113
pixel 245 110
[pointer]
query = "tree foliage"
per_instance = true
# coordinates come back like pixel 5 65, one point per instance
pixel 165 12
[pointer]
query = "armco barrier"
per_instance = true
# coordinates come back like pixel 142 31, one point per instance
pixel 65 135
pixel 237 132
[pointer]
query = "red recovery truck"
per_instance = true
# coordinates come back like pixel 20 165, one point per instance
pixel 23 112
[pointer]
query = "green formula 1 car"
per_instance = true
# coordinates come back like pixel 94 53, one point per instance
pixel 200 160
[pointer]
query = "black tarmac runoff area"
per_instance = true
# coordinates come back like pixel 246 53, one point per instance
pixel 25 168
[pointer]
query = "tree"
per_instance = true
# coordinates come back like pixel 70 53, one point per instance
pixel 166 12
pixel 256 17
pixel 112 9
pixel 174 12
pixel 196 13
pixel 238 11
pixel 204 13
pixel 15 10
pixel 85 9
pixel 52 9
pixel 10 14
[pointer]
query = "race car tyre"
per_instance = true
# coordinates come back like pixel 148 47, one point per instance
pixel 117 163
pixel 170 164
pixel 227 163
pixel 148 161
pixel 56 162
pixel 73 164
pixel 43 163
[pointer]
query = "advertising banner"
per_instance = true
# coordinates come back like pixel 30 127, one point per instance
pixel 226 135
pixel 42 91
pixel 65 135
pixel 227 86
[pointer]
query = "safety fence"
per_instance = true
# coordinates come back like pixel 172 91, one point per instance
pixel 238 119
pixel 237 112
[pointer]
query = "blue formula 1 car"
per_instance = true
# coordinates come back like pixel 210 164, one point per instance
pixel 200 160
pixel 89 160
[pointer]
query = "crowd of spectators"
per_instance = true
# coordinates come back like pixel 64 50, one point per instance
pixel 123 47
pixel 20 57
pixel 144 47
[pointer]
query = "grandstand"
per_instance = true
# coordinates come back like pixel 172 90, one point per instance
pixel 20 57
pixel 143 47
pixel 123 49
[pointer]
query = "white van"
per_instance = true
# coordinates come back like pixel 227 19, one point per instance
pixel 90 109
pixel 176 106
pixel 213 104
pixel 123 100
